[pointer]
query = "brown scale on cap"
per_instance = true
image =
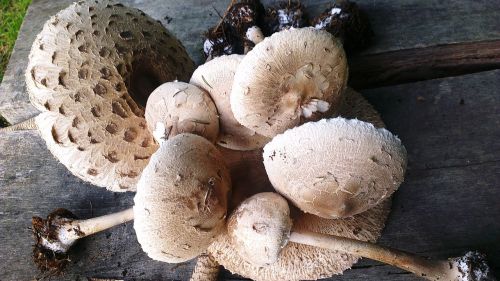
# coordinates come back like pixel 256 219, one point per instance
pixel 292 77
pixel 90 72
pixel 179 107
pixel 181 200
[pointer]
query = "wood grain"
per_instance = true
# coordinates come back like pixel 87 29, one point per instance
pixel 409 65
pixel 447 204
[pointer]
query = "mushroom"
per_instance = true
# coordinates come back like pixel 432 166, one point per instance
pixel 284 15
pixel 180 207
pixel 179 107
pixel 216 77
pixel 90 72
pixel 291 77
pixel 335 168
pixel 261 226
pixel 181 200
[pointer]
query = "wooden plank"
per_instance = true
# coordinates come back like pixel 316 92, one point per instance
pixel 447 204
pixel 398 25
pixel 403 66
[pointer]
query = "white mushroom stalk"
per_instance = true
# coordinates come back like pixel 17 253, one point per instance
pixel 470 267
pixel 261 226
pixel 61 229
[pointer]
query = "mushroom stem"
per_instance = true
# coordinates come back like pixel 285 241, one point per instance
pixel 206 269
pixel 471 266
pixel 61 229
pixel 22 126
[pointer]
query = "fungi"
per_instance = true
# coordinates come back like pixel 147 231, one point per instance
pixel 181 200
pixel 261 226
pixel 291 77
pixel 178 107
pixel 335 168
pixel 216 78
pixel 90 72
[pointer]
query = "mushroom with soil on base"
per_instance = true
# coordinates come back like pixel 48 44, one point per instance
pixel 90 72
pixel 179 107
pixel 216 77
pixel 180 206
pixel 291 77
pixel 335 168
pixel 261 226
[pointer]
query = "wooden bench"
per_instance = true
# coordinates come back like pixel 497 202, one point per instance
pixel 449 202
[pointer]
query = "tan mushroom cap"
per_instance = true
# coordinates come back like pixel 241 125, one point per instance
pixel 90 72
pixel 293 76
pixel 179 107
pixel 300 262
pixel 335 168
pixel 216 77
pixel 260 227
pixel 181 201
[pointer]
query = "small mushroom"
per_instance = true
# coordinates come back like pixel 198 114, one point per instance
pixel 90 72
pixel 261 226
pixel 293 76
pixel 178 107
pixel 216 78
pixel 335 168
pixel 284 15
pixel 181 200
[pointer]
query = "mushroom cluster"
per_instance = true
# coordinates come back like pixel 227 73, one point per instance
pixel 279 118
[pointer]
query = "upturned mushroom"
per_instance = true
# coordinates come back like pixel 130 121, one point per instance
pixel 180 207
pixel 335 168
pixel 216 77
pixel 178 107
pixel 261 226
pixel 90 72
pixel 291 77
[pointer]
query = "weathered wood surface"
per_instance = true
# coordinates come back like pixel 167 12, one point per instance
pixel 398 25
pixel 448 203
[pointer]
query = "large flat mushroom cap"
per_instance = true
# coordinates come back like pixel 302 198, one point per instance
pixel 337 167
pixel 179 107
pixel 90 72
pixel 301 262
pixel 181 200
pixel 293 76
pixel 216 77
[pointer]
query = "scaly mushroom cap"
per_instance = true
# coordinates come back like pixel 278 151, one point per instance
pixel 260 227
pixel 181 201
pixel 178 107
pixel 216 77
pixel 354 105
pixel 299 262
pixel 335 168
pixel 291 77
pixel 90 72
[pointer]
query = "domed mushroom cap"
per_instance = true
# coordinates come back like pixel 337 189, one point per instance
pixel 216 77
pixel 354 105
pixel 90 72
pixel 260 228
pixel 337 167
pixel 178 107
pixel 181 201
pixel 291 77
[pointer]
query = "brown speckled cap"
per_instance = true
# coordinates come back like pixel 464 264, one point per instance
pixel 90 72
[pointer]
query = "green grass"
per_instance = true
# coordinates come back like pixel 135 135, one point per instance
pixel 11 17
